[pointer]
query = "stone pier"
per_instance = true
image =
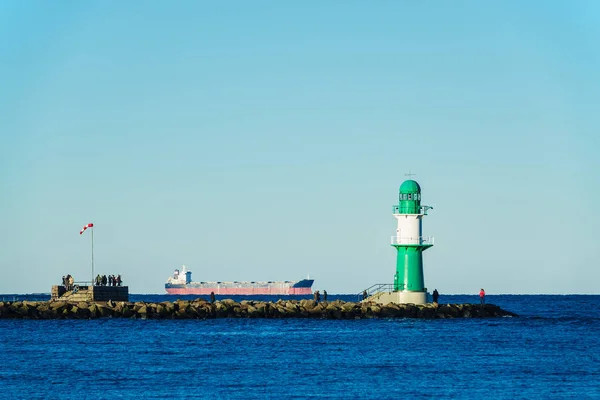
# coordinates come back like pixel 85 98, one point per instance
pixel 202 309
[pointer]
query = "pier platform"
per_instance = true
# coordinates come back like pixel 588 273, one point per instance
pixel 90 293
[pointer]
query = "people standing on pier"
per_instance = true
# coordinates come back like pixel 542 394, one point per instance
pixel 100 280
pixel 324 295
pixel 212 297
pixel 435 296
pixel 482 296
pixel 71 282
pixel 365 295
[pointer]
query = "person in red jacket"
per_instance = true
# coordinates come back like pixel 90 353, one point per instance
pixel 482 296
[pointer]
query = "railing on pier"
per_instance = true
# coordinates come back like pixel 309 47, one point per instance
pixel 378 287
pixel 382 288
pixel 82 284
pixel 419 240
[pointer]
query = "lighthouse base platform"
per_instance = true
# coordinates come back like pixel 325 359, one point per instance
pixel 400 297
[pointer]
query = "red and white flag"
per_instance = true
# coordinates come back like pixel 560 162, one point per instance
pixel 90 225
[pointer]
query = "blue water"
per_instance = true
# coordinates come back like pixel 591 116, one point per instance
pixel 551 351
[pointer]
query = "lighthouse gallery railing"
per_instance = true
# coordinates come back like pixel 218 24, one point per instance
pixel 413 240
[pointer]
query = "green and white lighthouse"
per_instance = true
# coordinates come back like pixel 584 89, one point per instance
pixel 409 242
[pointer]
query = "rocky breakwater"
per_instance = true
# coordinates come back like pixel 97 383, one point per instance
pixel 202 309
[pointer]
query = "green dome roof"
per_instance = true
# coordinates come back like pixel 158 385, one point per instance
pixel 410 186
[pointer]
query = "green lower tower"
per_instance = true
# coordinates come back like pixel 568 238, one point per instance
pixel 409 267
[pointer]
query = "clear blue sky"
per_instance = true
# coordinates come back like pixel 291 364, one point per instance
pixel 267 140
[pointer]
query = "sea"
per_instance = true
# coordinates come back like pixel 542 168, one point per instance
pixel 551 351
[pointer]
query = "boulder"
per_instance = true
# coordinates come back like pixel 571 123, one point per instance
pixel 161 310
pixel 221 309
pixel 142 310
pixel 49 314
pixel 58 305
pixel 333 310
pixel 389 311
pixel 444 311
pixel 125 312
pixel 94 312
pixel 105 311
pixel 43 307
pixel 198 311
pixel 169 307
pixel 83 312
pixel 427 312
pixel 291 307
pixel 237 311
pixel 315 312
pixel 411 311
pixel 20 309
pixel 229 302
pixel 121 305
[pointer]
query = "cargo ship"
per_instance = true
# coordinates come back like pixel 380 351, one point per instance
pixel 181 283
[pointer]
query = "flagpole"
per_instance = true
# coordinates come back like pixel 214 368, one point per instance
pixel 92 256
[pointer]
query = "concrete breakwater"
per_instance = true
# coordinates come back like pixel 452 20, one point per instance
pixel 202 309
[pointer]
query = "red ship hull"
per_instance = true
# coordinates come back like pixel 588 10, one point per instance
pixel 241 291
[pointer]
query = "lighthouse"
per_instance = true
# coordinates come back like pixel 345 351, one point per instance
pixel 409 242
